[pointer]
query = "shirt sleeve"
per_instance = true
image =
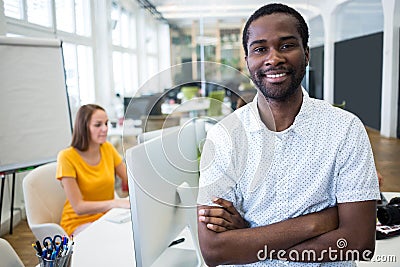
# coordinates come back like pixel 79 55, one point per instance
pixel 217 170
pixel 116 156
pixel 65 166
pixel 357 177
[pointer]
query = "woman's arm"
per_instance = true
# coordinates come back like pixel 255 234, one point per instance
pixel 81 206
pixel 120 170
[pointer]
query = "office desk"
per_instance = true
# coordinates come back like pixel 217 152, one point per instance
pixel 385 248
pixel 127 131
pixel 193 105
pixel 105 243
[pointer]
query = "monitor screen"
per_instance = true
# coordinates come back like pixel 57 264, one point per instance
pixel 137 107
pixel 161 204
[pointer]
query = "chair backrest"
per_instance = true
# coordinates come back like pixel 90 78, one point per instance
pixel 216 100
pixel 9 258
pixel 44 201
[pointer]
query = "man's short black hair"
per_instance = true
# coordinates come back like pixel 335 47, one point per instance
pixel 302 27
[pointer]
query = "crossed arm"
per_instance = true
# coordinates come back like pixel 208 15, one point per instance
pixel 225 239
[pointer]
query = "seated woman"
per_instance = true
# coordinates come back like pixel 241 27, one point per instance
pixel 87 171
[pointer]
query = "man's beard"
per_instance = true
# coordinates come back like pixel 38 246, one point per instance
pixel 275 91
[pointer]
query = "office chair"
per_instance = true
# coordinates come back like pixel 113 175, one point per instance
pixel 342 105
pixel 9 258
pixel 189 92
pixel 216 100
pixel 44 201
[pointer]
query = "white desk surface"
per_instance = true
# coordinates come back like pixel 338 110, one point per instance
pixel 105 243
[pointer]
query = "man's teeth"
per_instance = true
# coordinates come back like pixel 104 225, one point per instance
pixel 276 75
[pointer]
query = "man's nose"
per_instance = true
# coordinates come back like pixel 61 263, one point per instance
pixel 274 58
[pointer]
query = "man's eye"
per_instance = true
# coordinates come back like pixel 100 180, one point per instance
pixel 287 46
pixel 259 50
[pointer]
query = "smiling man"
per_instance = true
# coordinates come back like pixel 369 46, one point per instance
pixel 286 180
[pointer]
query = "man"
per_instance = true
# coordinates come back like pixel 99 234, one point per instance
pixel 286 180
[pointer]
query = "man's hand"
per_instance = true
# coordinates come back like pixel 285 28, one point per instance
pixel 223 218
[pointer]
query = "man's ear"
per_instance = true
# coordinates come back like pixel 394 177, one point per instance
pixel 307 53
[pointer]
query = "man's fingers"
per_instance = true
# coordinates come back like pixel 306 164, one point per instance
pixel 214 220
pixel 216 228
pixel 226 205
pixel 215 212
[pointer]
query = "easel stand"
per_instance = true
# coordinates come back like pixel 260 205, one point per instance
pixel 3 178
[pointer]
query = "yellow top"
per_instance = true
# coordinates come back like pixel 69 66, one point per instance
pixel 95 182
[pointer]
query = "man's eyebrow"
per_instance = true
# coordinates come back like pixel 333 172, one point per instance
pixel 258 42
pixel 284 38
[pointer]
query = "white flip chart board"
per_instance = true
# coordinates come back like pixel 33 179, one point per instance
pixel 35 120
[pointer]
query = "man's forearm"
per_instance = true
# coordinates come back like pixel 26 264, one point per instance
pixel 247 245
pixel 353 240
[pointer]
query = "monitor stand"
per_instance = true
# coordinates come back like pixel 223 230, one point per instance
pixel 186 254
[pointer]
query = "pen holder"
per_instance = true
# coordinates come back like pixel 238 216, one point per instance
pixel 63 261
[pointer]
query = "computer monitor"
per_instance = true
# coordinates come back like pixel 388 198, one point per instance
pixel 137 107
pixel 163 180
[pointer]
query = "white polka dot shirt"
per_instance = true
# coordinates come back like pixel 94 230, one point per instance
pixel 322 159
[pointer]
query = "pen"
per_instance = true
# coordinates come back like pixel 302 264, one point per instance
pixel 53 255
pixel 69 247
pixel 176 242
pixel 39 247
pixel 44 254
pixel 37 250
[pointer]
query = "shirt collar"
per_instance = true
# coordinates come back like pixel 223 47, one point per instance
pixel 300 122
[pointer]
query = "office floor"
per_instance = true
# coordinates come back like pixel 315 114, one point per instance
pixel 387 158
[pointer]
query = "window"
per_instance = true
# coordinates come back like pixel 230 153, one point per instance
pixel 73 16
pixel 39 12
pixel 34 11
pixel 115 28
pixel 13 9
pixel 85 70
pixel 116 24
pixel 79 73
pixel 71 73
pixel 124 53
pixel 73 26
pixel 65 15
pixel 125 76
pixel 82 17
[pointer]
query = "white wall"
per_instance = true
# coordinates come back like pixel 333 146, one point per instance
pixel 355 18
pixel 2 19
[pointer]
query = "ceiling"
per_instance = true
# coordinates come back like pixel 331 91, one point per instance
pixel 233 13
pixel 226 12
